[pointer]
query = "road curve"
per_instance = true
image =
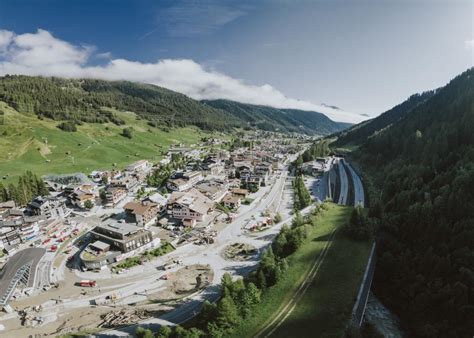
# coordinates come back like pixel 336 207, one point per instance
pixel 359 196
pixel 344 192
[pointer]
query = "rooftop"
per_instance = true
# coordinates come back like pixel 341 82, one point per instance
pixel 100 245
pixel 194 199
pixel 121 228
pixel 157 198
pixel 138 208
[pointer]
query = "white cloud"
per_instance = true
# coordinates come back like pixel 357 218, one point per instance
pixel 469 43
pixel 105 55
pixel 41 53
pixel 5 39
pixel 42 49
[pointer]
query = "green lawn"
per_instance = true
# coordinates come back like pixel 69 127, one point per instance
pixel 326 306
pixel 148 255
pixel 247 201
pixel 27 143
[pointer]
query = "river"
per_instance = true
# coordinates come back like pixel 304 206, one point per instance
pixel 386 322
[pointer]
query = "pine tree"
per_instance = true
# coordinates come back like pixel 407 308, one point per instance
pixel 3 193
pixel 164 332
pixel 227 313
pixel 41 188
pixel 261 280
pixel 12 193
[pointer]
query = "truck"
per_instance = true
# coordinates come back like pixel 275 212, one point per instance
pixel 88 283
pixel 106 300
pixel 169 265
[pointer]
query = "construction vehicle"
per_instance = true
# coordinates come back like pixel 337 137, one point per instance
pixel 88 283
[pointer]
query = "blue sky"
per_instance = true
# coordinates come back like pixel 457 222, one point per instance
pixel 362 56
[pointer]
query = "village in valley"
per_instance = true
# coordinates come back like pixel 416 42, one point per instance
pixel 236 169
pixel 115 247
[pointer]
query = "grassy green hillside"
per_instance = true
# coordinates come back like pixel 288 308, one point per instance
pixel 34 107
pixel 28 143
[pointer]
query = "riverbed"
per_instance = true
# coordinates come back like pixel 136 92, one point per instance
pixel 385 321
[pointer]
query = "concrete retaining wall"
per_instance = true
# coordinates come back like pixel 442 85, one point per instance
pixel 363 295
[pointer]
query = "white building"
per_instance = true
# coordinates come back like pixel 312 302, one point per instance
pixel 189 205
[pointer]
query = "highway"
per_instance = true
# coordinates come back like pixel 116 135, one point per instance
pixel 320 186
pixel 344 183
pixel 359 196
pixel 323 190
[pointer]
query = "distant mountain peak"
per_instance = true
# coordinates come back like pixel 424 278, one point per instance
pixel 284 119
pixel 330 106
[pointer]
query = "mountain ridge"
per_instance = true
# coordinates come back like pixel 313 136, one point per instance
pixel 280 119
pixel 421 173
pixel 84 100
pixel 356 134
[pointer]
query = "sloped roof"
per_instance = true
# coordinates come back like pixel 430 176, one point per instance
pixel 157 198
pixel 138 208
pixel 193 199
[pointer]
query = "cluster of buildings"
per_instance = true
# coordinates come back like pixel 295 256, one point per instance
pixel 208 180
pixel 19 225
pixel 114 241
pixel 316 167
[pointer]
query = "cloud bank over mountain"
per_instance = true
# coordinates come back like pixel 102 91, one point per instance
pixel 41 53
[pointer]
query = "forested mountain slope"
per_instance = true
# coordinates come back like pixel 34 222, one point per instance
pixel 424 166
pixel 272 119
pixel 360 132
pixel 84 100
pixel 89 100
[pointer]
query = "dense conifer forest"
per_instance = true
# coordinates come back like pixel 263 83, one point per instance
pixel 278 119
pixel 423 166
pixel 360 132
pixel 86 99
pixel 29 186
